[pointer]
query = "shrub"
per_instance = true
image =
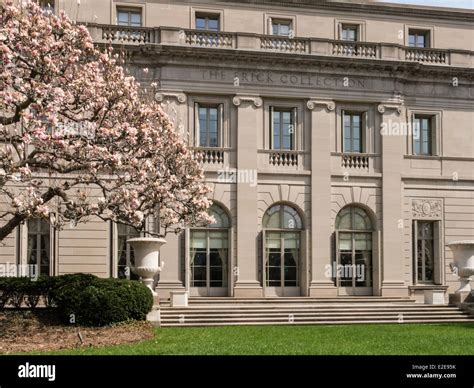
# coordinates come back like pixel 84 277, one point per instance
pixel 99 302
pixel 6 291
pixel 19 287
pixel 93 301
pixel 54 285
pixel 18 290
pixel 33 294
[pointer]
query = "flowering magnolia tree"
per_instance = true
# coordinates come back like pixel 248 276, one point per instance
pixel 76 139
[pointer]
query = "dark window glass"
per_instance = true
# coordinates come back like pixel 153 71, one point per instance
pixel 126 255
pixel 425 251
pixel 39 245
pixel 281 27
pixel 350 33
pixel 283 129
pixel 129 17
pixel 208 22
pixel 352 132
pixel 417 38
pixel 422 136
pixel 209 123
pixel 209 252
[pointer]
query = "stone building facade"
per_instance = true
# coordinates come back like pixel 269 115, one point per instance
pixel 338 139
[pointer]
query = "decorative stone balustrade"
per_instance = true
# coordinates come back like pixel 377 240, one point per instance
pixel 258 42
pixel 213 156
pixel 284 158
pixel 355 161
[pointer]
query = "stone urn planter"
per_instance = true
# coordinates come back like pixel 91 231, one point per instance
pixel 146 251
pixel 463 264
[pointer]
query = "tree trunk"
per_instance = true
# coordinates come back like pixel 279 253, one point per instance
pixel 10 226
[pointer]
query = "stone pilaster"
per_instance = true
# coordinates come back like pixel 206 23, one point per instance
pixel 247 283
pixel 322 123
pixel 393 149
pixel 170 253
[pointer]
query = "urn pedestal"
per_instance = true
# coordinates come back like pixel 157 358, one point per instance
pixel 146 251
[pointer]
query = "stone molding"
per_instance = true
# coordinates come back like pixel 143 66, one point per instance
pixel 162 95
pixel 329 105
pixel 257 101
pixel 384 106
pixel 427 208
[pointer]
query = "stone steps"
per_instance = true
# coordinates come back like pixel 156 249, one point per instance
pixel 307 311
pixel 312 322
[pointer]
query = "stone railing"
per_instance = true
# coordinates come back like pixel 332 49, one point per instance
pixel 212 156
pixel 349 49
pixel 173 36
pixel 426 56
pixel 129 35
pixel 282 44
pixel 355 161
pixel 284 158
pixel 209 39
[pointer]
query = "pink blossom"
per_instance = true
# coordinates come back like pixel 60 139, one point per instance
pixel 133 163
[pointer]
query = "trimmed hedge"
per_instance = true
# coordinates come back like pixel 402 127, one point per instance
pixel 83 299
pixel 102 301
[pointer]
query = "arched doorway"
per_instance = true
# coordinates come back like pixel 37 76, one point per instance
pixel 282 234
pixel 354 241
pixel 209 256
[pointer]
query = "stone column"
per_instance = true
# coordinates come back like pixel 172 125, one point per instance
pixel 322 123
pixel 171 253
pixel 247 283
pixel 393 149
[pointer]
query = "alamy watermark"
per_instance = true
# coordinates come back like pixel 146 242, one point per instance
pixel 395 128
pixel 345 271
pixel 233 175
pixel 83 129
pixel 31 271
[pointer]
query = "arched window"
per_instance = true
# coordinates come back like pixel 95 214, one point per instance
pixel 354 249
pixel 209 255
pixel 282 227
pixel 353 218
pixel 219 214
pixel 282 217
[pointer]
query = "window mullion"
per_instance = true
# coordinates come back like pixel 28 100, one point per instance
pixel 353 259
pixel 208 135
pixel 208 261
pixel 423 269
pixel 282 260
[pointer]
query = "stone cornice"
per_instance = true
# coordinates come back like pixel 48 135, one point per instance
pixel 257 101
pixel 170 54
pixel 397 10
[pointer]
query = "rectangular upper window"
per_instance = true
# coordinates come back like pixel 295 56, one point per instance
pixel 131 17
pixel 209 125
pixel 208 22
pixel 353 133
pixel 418 38
pixel 282 27
pixel 349 32
pixel 283 128
pixel 423 135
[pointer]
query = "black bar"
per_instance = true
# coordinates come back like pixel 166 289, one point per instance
pixel 312 371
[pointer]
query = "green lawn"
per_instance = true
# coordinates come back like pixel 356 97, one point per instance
pixel 402 339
